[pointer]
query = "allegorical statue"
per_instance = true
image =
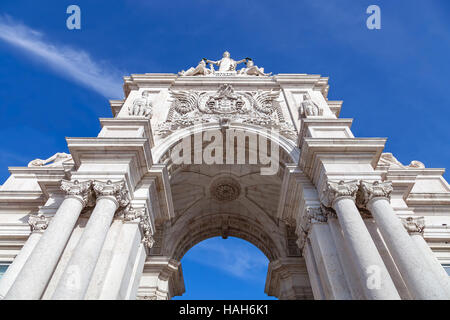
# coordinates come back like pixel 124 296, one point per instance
pixel 200 69
pixel 308 108
pixel 252 70
pixel 56 160
pixel 141 106
pixel 226 64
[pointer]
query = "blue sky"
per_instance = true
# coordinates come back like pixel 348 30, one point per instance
pixel 55 82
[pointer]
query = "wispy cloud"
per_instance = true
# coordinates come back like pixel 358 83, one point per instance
pixel 236 259
pixel 66 61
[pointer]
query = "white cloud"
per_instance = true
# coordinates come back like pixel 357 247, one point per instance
pixel 72 63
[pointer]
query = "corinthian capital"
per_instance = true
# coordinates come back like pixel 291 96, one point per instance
pixel 334 190
pixel 80 190
pixel 414 225
pixel 38 222
pixel 370 190
pixel 117 190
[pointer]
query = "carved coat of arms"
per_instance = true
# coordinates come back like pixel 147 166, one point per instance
pixel 255 107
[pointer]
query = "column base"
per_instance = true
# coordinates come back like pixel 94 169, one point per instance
pixel 287 279
pixel 162 279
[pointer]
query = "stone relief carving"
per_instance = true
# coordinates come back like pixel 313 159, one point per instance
pixel 54 161
pixel 308 108
pixel 312 215
pixel 141 106
pixel 227 67
pixel 391 161
pixel 414 225
pixel 38 222
pixel 370 190
pixel 225 106
pixel 129 213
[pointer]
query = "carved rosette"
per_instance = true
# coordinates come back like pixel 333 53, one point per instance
pixel 414 225
pixel 79 190
pixel 370 190
pixel 38 222
pixel 334 190
pixel 116 190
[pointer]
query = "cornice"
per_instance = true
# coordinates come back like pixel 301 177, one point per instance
pixel 144 122
pixel 313 148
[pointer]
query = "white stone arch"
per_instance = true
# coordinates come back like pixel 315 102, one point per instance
pixel 162 146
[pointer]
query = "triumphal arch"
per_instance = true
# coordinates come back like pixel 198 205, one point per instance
pixel 225 149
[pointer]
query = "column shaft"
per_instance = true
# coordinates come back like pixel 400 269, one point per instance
pixel 75 279
pixel 433 263
pixel 421 283
pixel 346 263
pixel 19 261
pixel 373 275
pixel 328 264
pixel 122 261
pixel 39 267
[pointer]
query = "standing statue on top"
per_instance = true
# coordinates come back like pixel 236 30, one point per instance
pixel 226 64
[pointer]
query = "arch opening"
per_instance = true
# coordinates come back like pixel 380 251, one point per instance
pixel 225 269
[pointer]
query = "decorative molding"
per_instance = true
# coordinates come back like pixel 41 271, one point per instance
pixel 369 190
pixel 116 190
pixel 79 190
pixel 37 222
pixel 414 225
pixel 334 190
pixel 142 106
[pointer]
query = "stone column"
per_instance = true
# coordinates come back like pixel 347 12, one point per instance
pixel 415 227
pixel 342 252
pixel 370 269
pixel 38 223
pixel 75 278
pixel 136 227
pixel 38 269
pixel 422 283
pixel 332 278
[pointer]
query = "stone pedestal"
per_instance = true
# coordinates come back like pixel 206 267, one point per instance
pixel 162 279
